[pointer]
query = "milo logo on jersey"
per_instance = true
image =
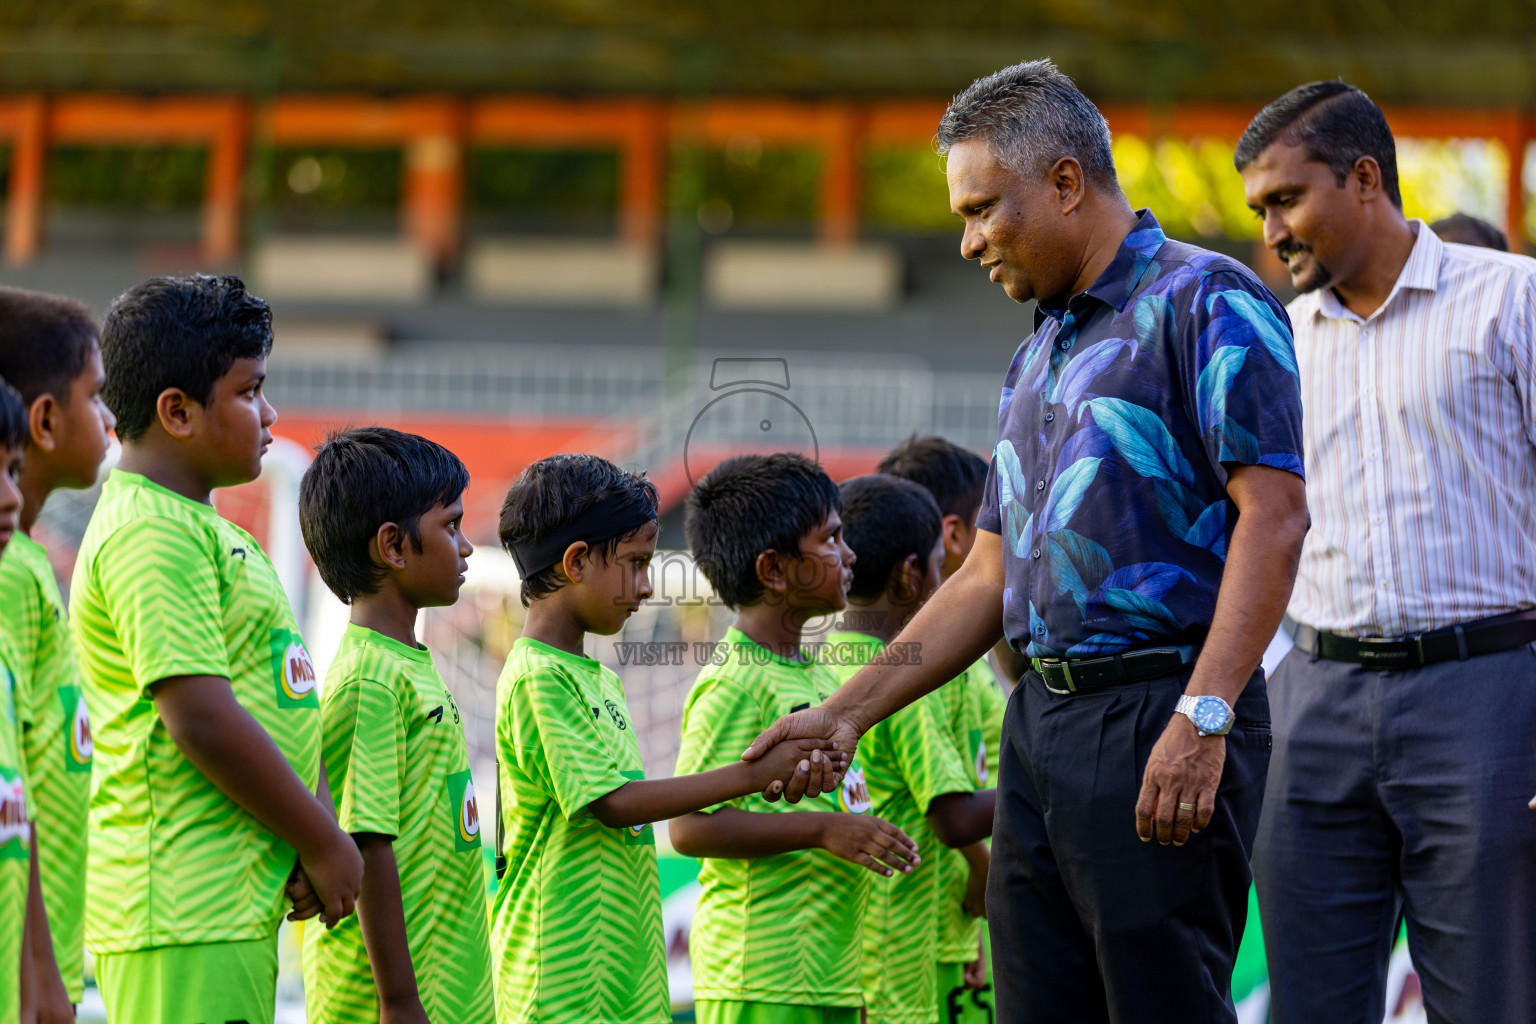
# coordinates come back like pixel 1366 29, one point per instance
pixel 293 674
pixel 77 728
pixel 979 754
pixel 15 832
pixel 854 796
pixel 466 812
pixel 638 835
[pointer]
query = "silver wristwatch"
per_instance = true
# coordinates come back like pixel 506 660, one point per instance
pixel 1212 715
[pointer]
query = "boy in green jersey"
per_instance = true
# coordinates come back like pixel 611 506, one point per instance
pixel 576 934
pixel 382 513
pixel 49 353
pixel 956 476
pixel 18 852
pixel 205 821
pixel 777 936
pixel 918 777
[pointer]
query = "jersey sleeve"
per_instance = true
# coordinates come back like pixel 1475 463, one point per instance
pixel 554 741
pixel 161 590
pixel 22 599
pixel 926 755
pixel 720 720
pixel 364 732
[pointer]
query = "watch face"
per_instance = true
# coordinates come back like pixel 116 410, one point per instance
pixel 1211 714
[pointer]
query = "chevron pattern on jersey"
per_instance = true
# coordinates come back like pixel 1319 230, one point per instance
pixel 786 928
pixel 164 587
pixel 961 701
pixel 576 932
pixel 909 758
pixel 398 765
pixel 56 744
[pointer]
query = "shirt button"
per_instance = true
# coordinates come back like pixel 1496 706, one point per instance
pixel 1049 417
pixel 1040 485
pixel 1037 555
pixel 1063 345
pixel 1040 630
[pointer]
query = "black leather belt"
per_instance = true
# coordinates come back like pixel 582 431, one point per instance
pixel 1083 675
pixel 1452 643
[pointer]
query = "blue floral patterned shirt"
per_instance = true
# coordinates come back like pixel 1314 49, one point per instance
pixel 1107 484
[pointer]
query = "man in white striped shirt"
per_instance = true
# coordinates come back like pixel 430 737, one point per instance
pixel 1405 719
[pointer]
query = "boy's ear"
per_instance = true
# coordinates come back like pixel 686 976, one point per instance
pixel 906 580
pixel 175 411
pixel 953 527
pixel 574 562
pixel 771 573
pixel 41 418
pixel 389 546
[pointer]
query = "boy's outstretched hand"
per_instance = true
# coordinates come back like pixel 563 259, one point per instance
pixel 796 768
pixel 869 842
pixel 836 736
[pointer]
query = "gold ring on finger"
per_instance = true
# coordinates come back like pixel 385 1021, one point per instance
pixel 1186 807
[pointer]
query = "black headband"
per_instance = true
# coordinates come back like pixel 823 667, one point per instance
pixel 614 515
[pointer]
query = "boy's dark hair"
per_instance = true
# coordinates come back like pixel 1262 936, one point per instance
pixel 45 342
pixel 14 432
pixel 885 519
pixel 955 476
pixel 360 480
pixel 750 504
pixel 1336 124
pixel 555 490
pixel 1465 229
pixel 177 332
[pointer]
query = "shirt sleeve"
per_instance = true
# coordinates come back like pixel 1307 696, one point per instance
pixel 22 600
pixel 1522 345
pixel 161 588
pixel 364 731
pixel 1240 375
pixel 555 743
pixel 926 755
pixel 720 720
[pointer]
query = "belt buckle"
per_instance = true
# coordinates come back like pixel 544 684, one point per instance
pixel 1369 657
pixel 1066 669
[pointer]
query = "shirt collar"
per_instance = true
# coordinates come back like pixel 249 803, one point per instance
pixel 1117 284
pixel 1421 272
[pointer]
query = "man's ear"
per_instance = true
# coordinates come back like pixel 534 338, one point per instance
pixel 1366 177
pixel 42 417
pixel 1066 177
pixel 771 573
pixel 389 546
pixel 177 412
pixel 575 560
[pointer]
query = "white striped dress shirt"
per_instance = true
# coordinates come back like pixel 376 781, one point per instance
pixel 1420 438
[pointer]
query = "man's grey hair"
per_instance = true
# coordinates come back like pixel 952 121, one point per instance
pixel 1031 115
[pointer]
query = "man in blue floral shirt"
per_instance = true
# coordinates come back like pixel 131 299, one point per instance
pixel 1144 514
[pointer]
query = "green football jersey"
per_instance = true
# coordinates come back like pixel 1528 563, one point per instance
pixel 786 928
pixel 994 704
pixel 164 587
pixel 15 839
pixel 576 931
pixel 909 759
pixel 398 766
pixel 55 744
pixel 963 709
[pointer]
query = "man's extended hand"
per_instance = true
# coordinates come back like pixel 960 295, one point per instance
pixel 816 723
pixel 1185 768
